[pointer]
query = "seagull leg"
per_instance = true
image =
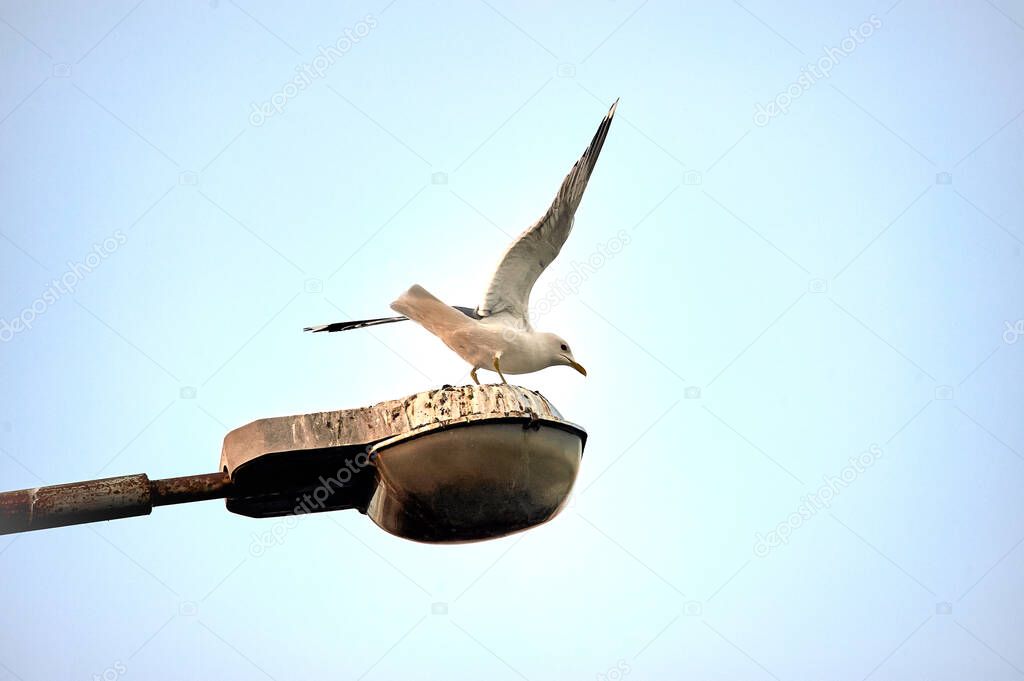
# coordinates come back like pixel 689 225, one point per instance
pixel 472 374
pixel 498 369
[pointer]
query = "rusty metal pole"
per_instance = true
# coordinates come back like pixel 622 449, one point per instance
pixel 107 499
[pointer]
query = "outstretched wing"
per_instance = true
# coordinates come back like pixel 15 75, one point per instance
pixel 513 280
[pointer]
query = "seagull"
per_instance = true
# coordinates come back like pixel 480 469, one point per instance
pixel 497 334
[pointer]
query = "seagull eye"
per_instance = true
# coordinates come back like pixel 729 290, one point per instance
pixel 565 347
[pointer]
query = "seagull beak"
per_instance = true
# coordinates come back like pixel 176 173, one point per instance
pixel 575 365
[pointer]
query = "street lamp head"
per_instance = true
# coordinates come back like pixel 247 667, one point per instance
pixel 452 465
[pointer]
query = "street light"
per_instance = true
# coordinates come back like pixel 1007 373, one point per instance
pixel 455 464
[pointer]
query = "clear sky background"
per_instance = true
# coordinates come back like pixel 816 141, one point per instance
pixel 815 267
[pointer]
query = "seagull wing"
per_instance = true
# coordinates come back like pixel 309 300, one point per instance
pixel 513 280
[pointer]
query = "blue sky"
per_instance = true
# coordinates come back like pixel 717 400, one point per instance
pixel 805 447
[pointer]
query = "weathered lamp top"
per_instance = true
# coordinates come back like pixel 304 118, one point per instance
pixel 362 427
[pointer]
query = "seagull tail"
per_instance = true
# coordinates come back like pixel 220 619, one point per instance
pixel 356 324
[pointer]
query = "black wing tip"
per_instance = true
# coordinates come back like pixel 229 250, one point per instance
pixel 589 157
pixel 356 324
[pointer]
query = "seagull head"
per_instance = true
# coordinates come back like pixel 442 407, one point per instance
pixel 558 352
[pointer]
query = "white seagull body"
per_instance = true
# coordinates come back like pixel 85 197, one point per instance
pixel 497 334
